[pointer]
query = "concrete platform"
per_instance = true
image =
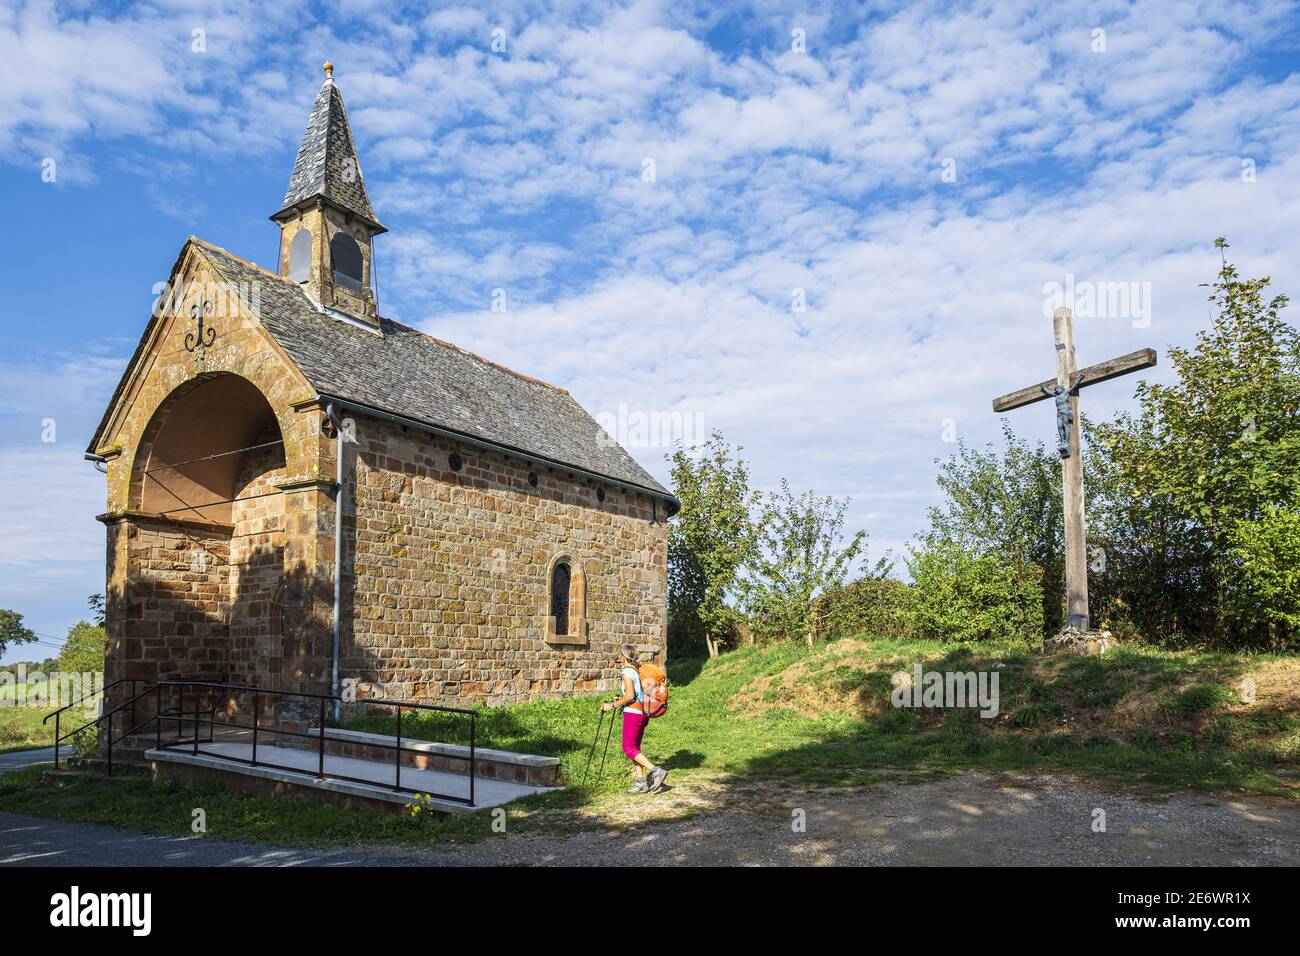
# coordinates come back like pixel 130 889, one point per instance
pixel 425 754
pixel 214 757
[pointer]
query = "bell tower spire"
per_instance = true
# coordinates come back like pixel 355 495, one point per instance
pixel 327 223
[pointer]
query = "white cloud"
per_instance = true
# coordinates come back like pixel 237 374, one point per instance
pixel 774 171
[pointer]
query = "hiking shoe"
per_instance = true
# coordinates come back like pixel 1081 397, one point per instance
pixel 639 787
pixel 657 776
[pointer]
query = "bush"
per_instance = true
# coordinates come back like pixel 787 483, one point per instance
pixel 1263 576
pixel 957 595
pixel 872 606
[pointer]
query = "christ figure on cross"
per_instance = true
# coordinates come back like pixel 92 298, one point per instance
pixel 1065 390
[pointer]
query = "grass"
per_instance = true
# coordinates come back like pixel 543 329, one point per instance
pixel 1138 718
pixel 21 728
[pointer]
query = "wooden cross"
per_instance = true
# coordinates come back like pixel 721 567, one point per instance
pixel 1065 387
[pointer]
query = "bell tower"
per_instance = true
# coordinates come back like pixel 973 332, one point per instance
pixel 327 227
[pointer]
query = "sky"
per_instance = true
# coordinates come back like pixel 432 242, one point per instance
pixel 831 232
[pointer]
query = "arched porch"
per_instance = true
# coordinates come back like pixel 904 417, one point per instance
pixel 206 594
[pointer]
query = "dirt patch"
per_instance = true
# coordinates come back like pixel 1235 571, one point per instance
pixel 839 680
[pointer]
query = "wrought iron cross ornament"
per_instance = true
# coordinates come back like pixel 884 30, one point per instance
pixel 201 338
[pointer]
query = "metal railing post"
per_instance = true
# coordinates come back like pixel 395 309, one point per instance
pixel 157 716
pixel 322 738
pixel 110 745
pixel 255 709
pixel 57 714
pixel 196 721
pixel 397 777
pixel 473 719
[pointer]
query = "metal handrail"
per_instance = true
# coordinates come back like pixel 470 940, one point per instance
pixel 179 714
pixel 93 693
pixel 59 737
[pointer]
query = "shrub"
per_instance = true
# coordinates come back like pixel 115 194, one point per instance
pixel 876 607
pixel 1263 575
pixel 957 595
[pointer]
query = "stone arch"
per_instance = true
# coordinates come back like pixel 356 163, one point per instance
pixel 207 567
pixel 300 249
pixel 346 261
pixel 192 457
pixel 566 601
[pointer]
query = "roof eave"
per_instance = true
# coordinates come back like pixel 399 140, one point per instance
pixel 375 226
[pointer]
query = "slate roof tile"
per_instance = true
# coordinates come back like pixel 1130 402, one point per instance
pixel 408 373
pixel 327 163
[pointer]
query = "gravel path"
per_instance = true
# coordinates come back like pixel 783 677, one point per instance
pixel 973 819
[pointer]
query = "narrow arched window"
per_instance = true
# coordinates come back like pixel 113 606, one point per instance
pixel 561 579
pixel 345 258
pixel 300 255
pixel 565 620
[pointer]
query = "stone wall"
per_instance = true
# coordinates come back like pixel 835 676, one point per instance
pixel 448 584
pixel 257 568
pixel 174 622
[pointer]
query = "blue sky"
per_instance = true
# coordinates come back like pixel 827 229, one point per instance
pixel 922 172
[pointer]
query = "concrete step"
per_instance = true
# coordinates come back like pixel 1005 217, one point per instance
pixel 78 768
pixel 451 758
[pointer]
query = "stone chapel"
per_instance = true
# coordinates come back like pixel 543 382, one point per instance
pixel 304 495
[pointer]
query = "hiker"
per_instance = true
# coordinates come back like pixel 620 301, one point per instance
pixel 634 724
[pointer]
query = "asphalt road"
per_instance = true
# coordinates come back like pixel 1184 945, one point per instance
pixel 19 759
pixel 33 841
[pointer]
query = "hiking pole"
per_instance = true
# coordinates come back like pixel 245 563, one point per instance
pixel 608 734
pixel 599 717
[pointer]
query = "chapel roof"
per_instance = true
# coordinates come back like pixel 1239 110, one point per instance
pixel 326 165
pixel 409 373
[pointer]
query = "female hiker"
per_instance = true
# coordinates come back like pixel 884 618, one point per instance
pixel 634 724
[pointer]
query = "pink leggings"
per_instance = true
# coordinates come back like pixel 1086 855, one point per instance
pixel 633 731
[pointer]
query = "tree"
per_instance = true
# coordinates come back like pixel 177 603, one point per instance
pixel 710 538
pixel 1218 448
pixel 96 604
pixel 13 631
pixel 83 651
pixel 1007 503
pixel 799 556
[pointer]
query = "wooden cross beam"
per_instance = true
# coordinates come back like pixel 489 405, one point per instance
pixel 1065 390
pixel 1101 372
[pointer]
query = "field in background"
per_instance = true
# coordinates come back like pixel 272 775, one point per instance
pixel 21 728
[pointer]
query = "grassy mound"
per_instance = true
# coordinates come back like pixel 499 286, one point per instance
pixel 1176 720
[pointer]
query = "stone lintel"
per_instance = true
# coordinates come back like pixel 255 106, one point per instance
pixel 119 517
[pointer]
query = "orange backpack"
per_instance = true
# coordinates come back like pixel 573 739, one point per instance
pixel 654 690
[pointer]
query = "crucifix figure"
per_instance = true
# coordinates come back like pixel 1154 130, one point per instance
pixel 1064 389
pixel 1064 413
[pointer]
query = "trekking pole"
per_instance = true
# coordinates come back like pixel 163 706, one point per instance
pixel 599 717
pixel 608 734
